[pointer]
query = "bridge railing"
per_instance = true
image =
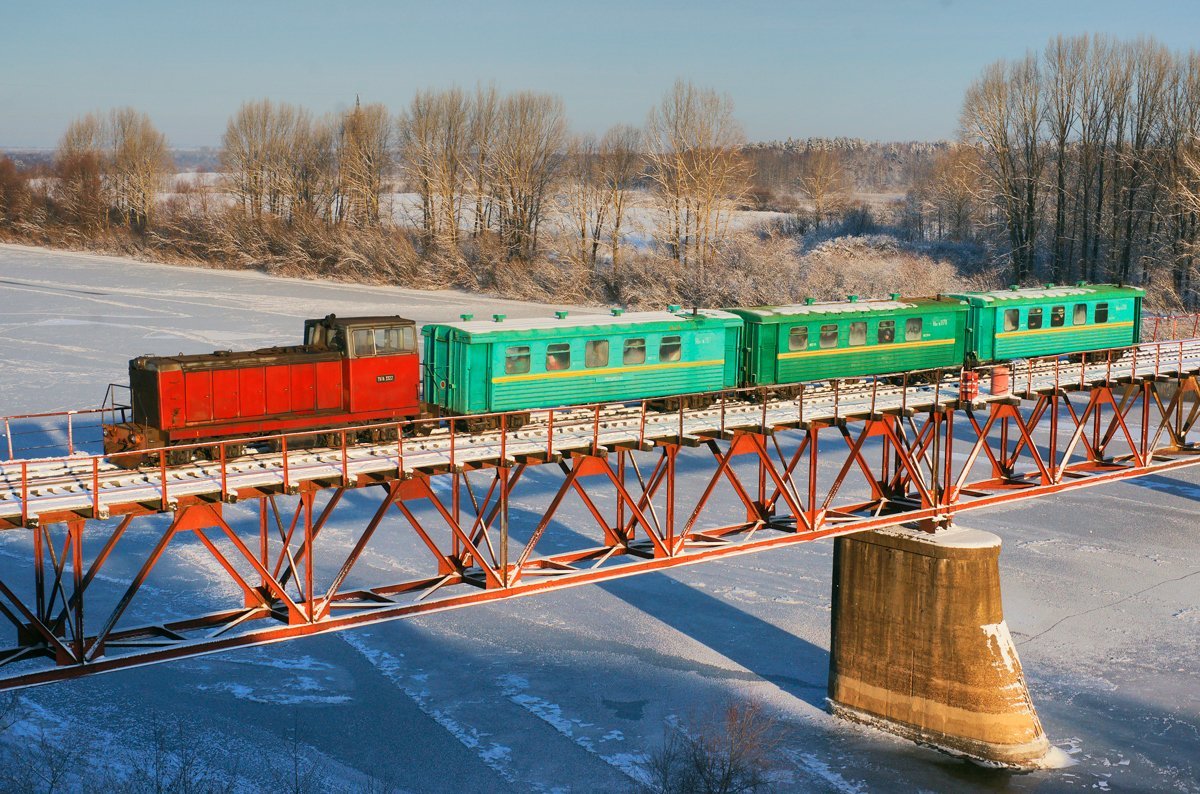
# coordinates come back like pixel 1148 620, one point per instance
pixel 51 434
pixel 847 398
pixel 1170 327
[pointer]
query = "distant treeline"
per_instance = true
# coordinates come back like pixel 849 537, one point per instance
pixel 1079 162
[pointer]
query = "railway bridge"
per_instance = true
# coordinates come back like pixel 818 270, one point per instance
pixel 886 464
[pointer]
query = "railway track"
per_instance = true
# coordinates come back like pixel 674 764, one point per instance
pixel 93 487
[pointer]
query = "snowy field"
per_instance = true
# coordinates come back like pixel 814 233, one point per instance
pixel 568 691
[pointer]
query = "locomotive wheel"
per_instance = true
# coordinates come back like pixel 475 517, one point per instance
pixel 419 429
pixel 179 457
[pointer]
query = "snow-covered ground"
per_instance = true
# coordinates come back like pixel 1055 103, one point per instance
pixel 568 691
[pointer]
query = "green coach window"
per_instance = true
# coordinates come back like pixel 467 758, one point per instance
pixel 829 336
pixel 887 332
pixel 1058 316
pixel 1012 319
pixel 595 353
pixel 858 334
pixel 798 338
pixel 635 352
pixel 516 360
pixel 558 356
pixel 913 328
pixel 1080 314
pixel 1035 319
pixel 670 349
pixel 1101 312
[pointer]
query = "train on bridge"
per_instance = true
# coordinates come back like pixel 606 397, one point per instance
pixel 367 372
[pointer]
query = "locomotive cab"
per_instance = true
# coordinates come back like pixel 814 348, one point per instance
pixel 380 366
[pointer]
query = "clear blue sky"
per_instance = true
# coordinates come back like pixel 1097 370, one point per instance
pixel 879 69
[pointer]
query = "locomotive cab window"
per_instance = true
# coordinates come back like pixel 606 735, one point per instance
pixel 396 339
pixel 635 352
pixel 1080 314
pixel 516 360
pixel 1035 318
pixel 829 336
pixel 858 334
pixel 887 332
pixel 1012 319
pixel 670 349
pixel 558 357
pixel 364 342
pixel 798 338
pixel 1058 316
pixel 1101 312
pixel 595 353
pixel 913 328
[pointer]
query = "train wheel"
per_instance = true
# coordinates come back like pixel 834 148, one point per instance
pixel 179 457
pixel 419 429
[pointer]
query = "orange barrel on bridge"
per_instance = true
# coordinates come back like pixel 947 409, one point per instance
pixel 1001 380
pixel 968 386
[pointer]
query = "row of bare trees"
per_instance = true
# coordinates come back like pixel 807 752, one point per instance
pixel 280 160
pixel 485 163
pixel 1080 155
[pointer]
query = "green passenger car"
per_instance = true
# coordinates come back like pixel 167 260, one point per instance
pixel 1022 323
pixel 474 366
pixel 820 341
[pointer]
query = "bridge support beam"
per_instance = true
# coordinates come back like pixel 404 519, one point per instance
pixel 920 647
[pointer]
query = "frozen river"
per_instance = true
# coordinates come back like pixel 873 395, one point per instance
pixel 569 691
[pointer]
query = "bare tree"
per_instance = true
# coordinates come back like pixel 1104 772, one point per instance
pixel 309 179
pixel 727 753
pixel 586 197
pixel 621 164
pixel 1065 58
pixel 697 168
pixel 140 163
pixel 14 192
pixel 823 182
pixel 484 121
pixel 527 155
pixel 80 165
pixel 435 139
pixel 1002 116
pixel 365 159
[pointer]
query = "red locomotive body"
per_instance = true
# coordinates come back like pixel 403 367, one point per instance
pixel 356 370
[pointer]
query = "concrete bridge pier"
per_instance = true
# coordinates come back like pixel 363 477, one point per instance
pixel 920 647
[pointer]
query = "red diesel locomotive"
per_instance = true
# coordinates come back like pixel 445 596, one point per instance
pixel 353 370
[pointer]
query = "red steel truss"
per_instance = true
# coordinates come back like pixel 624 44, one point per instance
pixel 761 471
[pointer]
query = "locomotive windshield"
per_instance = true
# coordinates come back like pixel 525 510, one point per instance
pixel 385 341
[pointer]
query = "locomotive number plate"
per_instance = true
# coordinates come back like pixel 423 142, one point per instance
pixel 384 378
